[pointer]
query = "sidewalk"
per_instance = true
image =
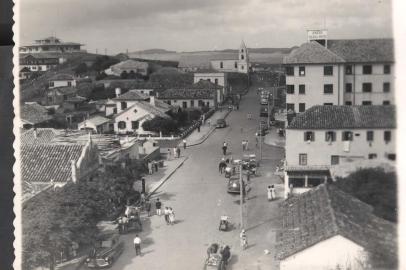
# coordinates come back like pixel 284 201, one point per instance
pixel 196 138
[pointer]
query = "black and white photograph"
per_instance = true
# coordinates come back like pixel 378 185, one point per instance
pixel 216 134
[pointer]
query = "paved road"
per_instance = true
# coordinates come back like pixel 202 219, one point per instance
pixel 197 193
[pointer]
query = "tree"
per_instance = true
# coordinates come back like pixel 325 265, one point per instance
pixel 375 187
pixel 159 124
pixel 81 69
pixel 124 75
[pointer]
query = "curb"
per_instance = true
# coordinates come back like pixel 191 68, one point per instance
pixel 151 192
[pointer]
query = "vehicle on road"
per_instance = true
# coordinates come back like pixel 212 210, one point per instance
pixel 215 258
pixel 107 249
pixel 262 131
pixel 264 101
pixel 221 123
pixel 224 223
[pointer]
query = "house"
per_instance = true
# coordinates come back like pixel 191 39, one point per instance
pixel 37 136
pixel 218 78
pixel 56 96
pixel 50 45
pixel 62 80
pixel 98 124
pixel 327 228
pixel 40 62
pixel 128 66
pixel 343 72
pixel 238 63
pixel 130 120
pixel 53 164
pixel 24 73
pixel 74 103
pixel 32 114
pixel 189 98
pixel 326 136
pixel 123 101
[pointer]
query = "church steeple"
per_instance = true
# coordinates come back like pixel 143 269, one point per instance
pixel 243 53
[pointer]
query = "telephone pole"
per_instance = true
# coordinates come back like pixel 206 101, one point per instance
pixel 260 141
pixel 241 197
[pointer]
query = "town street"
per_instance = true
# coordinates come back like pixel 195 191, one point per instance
pixel 197 193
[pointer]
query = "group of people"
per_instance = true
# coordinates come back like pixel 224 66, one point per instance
pixel 152 166
pixel 271 193
pixel 244 145
pixel 224 253
pixel 169 214
pixel 175 152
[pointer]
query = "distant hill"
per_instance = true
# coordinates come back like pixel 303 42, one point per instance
pixel 151 51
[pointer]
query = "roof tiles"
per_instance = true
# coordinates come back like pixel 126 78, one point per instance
pixel 34 113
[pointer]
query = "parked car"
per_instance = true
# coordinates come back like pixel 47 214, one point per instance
pixel 107 249
pixel 233 186
pixel 264 101
pixel 261 131
pixel 221 123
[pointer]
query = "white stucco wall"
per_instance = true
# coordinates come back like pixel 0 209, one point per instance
pixel 140 115
pixel 314 81
pixel 63 84
pixel 319 151
pixel 327 255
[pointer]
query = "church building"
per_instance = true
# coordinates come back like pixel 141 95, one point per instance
pixel 238 64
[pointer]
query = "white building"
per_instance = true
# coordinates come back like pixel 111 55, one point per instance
pixel 128 66
pixel 218 78
pixel 328 229
pixel 62 80
pixel 238 63
pixel 344 72
pixel 51 45
pixel 130 120
pixel 326 136
pixel 98 124
pixel 129 98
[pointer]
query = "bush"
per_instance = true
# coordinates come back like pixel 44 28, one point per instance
pixel 81 69
pixel 159 124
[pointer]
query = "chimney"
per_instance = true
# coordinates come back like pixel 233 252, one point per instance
pixel 152 100
pixel 74 171
pixel 35 133
pixel 118 92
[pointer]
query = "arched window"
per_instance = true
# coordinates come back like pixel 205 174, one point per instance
pixel 122 125
pixel 221 64
pixel 242 57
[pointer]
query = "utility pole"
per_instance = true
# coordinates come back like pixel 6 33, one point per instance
pixel 260 141
pixel 268 113
pixel 241 197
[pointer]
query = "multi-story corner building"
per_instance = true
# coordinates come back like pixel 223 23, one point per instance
pixel 51 45
pixel 326 136
pixel 343 72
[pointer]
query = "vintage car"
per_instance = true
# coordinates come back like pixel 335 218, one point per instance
pixel 106 250
pixel 221 123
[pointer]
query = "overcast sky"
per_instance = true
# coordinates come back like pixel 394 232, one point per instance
pixel 191 25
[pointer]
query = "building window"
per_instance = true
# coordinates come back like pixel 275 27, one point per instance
pixel 302 107
pixel 302 89
pixel 216 81
pixel 328 70
pixel 387 136
pixel 348 70
pixel 328 104
pixel 297 182
pixel 370 135
pixel 386 69
pixel 366 102
pixel 123 105
pixel 328 89
pixel 347 136
pixel 122 125
pixel 386 102
pixel 290 71
pixel 290 89
pixel 391 157
pixel 69 83
pixel 348 103
pixel 309 136
pixel 242 57
pixel 114 110
pixel 242 66
pixel 168 102
pixel 51 84
pixel 366 69
pixel 235 65
pixel 135 125
pixel 330 136
pixel 367 87
pixel 303 159
pixel 372 156
pixel 302 71
pixel 192 103
pixel 386 87
pixel 348 87
pixel 184 104
pixel 290 106
pixel 335 160
pixel 221 64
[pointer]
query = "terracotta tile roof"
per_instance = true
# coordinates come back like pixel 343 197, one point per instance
pixel 44 136
pixel 205 84
pixel 62 77
pixel 132 95
pixel 363 50
pixel 154 110
pixel 345 117
pixel 33 113
pixel 64 90
pixel 46 162
pixel 187 94
pixel 130 64
pixel 312 53
pixel 326 211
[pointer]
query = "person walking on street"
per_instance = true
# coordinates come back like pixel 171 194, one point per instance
pixel 156 166
pixel 158 205
pixel 168 156
pixel 137 245
pixel 166 215
pixel 224 147
pixel 175 152
pixel 222 165
pixel 269 193
pixel 184 143
pixel 273 193
pixel 243 239
pixel 148 207
pixel 225 256
pixel 256 140
pixel 171 216
pixel 149 167
pixel 178 152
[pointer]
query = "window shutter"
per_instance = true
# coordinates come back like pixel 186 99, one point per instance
pixel 304 136
pixel 333 136
pixel 312 134
pixel 343 136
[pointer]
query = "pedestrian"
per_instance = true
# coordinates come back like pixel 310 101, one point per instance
pixel 198 127
pixel 243 239
pixel 166 215
pixel 142 199
pixel 238 106
pixel 225 256
pixel 224 147
pixel 155 165
pixel 171 216
pixel 125 223
pixel 144 190
pixel 273 193
pixel 178 151
pixel 149 167
pixel 168 156
pixel 244 145
pixel 148 207
pixel 184 143
pixel 158 205
pixel 269 193
pixel 175 152
pixel 256 140
pixel 209 122
pixel 137 245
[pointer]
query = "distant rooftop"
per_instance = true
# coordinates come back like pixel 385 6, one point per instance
pixel 132 95
pixel 33 113
pixel 346 117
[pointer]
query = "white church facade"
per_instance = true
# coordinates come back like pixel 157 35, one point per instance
pixel 240 64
